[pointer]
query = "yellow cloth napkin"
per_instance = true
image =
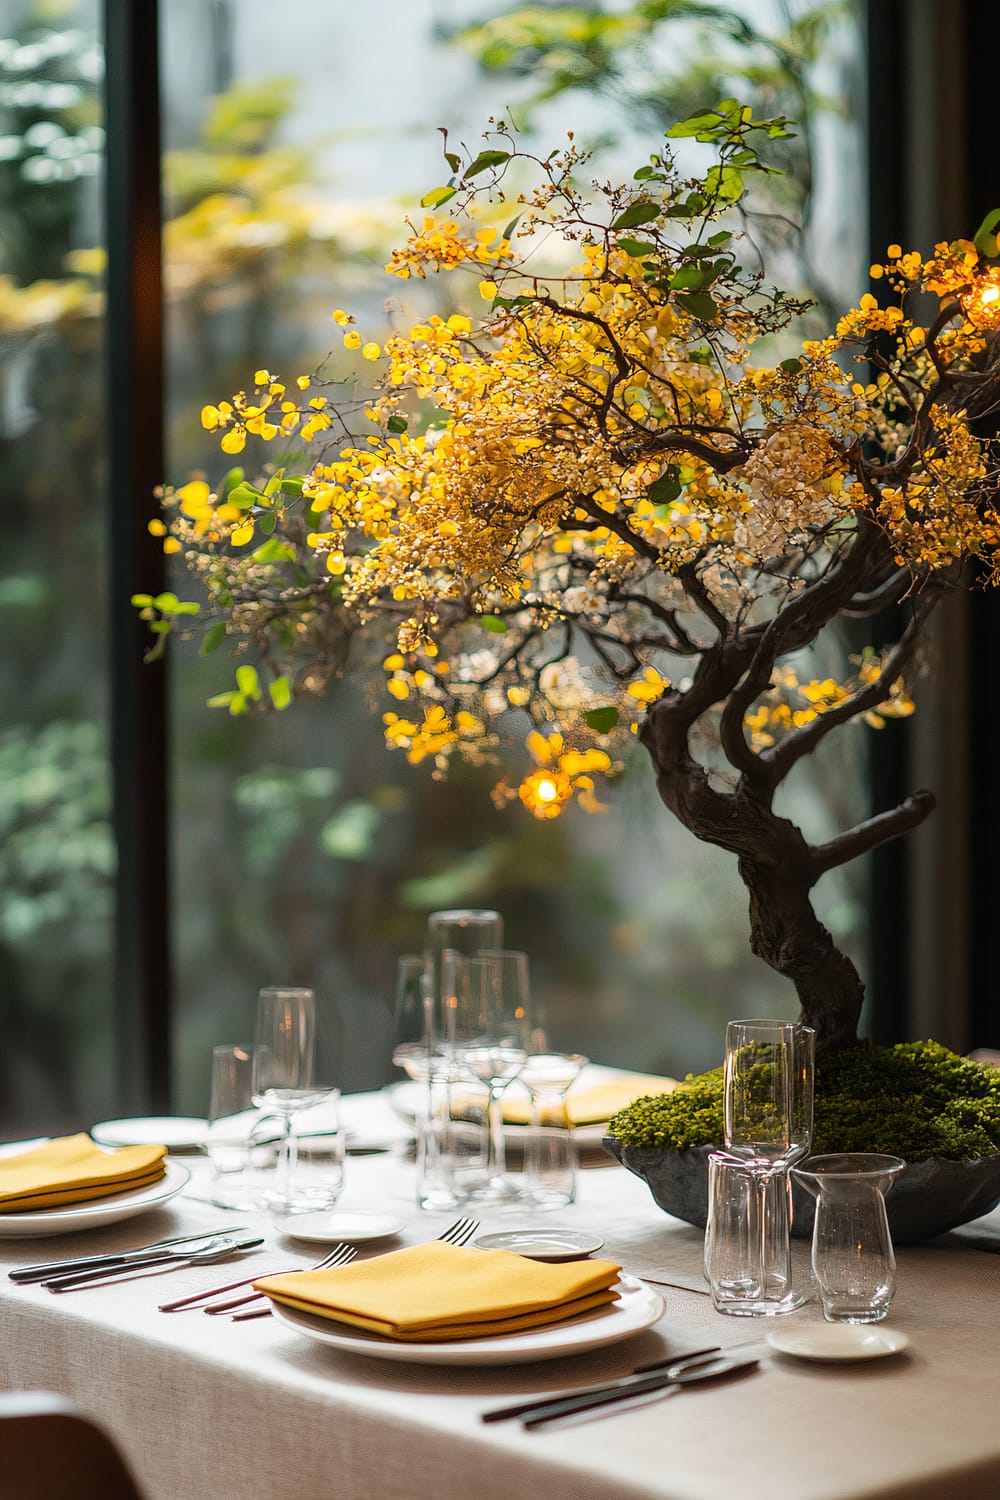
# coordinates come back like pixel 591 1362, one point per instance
pixel 438 1291
pixel 591 1106
pixel 71 1169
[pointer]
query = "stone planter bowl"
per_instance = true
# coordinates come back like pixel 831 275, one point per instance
pixel 928 1198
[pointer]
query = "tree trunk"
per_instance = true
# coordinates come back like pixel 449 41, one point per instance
pixel 787 934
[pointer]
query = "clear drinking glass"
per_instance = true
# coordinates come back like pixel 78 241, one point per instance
pixel 237 1143
pixel 283 1074
pixel 852 1255
pixel 769 1082
pixel 742 1279
pixel 413 1017
pixel 464 931
pixel 769 1079
pixel 487 1022
pixel 549 1171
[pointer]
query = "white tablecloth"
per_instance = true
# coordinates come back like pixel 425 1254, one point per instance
pixel 207 1409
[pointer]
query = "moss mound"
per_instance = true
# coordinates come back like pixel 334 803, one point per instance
pixel 914 1100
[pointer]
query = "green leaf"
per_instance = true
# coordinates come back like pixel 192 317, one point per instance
pixel 636 248
pixel 274 551
pixel 698 304
pixel 229 482
pixel 454 160
pixel 985 238
pixel 725 184
pixel 268 522
pixel 186 607
pixel 636 213
pixel 244 496
pixel 493 624
pixel 248 682
pixel 292 485
pixel 790 366
pixel 704 126
pixel 222 700
pixel 273 485
pixel 691 278
pixel 166 602
pixel 141 601
pixel 281 692
pixel 160 627
pixel 511 227
pixel 212 639
pixel 602 720
pixel 397 424
pixel 666 487
pixel 484 161
pixel 437 196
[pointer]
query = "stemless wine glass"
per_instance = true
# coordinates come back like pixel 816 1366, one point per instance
pixel 769 1076
pixel 487 1029
pixel 283 1073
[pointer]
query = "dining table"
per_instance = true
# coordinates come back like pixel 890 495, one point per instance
pixel 207 1408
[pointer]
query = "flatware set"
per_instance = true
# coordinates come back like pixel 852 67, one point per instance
pixel 47 1269
pixel 694 1369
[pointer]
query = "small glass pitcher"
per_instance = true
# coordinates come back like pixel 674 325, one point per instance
pixel 852 1255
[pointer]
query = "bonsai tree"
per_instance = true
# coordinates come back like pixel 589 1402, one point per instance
pixel 608 496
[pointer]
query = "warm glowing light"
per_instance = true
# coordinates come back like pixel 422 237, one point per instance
pixel 546 791
pixel 983 305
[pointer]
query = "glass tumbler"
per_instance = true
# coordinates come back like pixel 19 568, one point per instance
pixel 852 1255
pixel 549 1170
pixel 748 1260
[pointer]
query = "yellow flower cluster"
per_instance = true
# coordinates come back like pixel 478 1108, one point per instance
pixel 562 774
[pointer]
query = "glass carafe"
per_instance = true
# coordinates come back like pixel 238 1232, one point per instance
pixel 852 1257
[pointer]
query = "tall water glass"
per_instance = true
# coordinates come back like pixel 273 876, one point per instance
pixel 487 1031
pixel 283 1073
pixel 769 1084
pixel 464 931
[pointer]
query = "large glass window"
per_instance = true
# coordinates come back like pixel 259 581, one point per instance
pixel 294 146
pixel 306 852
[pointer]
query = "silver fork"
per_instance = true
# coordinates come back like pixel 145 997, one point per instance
pixel 458 1233
pixel 338 1256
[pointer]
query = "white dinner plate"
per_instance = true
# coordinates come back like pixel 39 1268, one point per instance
pixel 176 1132
pixel 407 1098
pixel 638 1307
pixel 97 1211
pixel 327 1227
pixel 838 1341
pixel 542 1244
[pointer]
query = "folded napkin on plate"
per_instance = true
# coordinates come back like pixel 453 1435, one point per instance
pixel 71 1169
pixel 439 1291
pixel 592 1106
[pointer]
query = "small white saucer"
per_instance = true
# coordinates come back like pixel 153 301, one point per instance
pixel 542 1244
pixel 176 1132
pixel 838 1341
pixel 327 1227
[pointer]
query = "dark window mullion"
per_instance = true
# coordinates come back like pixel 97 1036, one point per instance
pixel 136 465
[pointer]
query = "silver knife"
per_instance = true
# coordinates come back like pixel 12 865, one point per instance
pixel 40 1272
